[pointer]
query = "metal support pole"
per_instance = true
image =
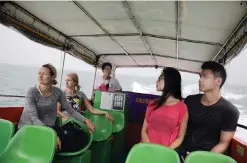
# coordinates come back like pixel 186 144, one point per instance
pixel 94 78
pixel 95 73
pixel 178 31
pixel 113 72
pixel 61 76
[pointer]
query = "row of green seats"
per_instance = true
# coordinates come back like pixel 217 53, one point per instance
pixel 37 144
pixel 30 144
pixel 7 132
pixel 108 138
pixel 102 148
pixel 106 144
pixel 154 153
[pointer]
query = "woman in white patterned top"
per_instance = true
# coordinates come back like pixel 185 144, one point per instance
pixel 77 98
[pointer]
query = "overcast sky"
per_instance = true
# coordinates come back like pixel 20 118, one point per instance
pixel 19 50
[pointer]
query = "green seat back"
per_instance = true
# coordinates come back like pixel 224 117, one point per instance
pixel 86 113
pixel 7 131
pixel 85 129
pixel 119 121
pixel 152 153
pixel 103 127
pixel 59 121
pixel 208 157
pixel 31 144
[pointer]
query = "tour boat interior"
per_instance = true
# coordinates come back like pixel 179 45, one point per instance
pixel 137 34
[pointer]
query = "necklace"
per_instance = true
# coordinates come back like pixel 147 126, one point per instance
pixel 46 94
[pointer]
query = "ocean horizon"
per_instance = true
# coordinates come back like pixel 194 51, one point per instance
pixel 16 79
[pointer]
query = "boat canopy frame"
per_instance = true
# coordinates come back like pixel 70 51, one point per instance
pixel 134 33
pixel 18 15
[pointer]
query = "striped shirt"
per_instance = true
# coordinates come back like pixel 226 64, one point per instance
pixel 42 110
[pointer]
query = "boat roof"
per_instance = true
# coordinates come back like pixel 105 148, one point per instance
pixel 180 34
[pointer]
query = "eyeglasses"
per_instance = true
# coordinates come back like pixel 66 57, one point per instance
pixel 161 78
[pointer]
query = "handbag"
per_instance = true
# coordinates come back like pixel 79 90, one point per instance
pixel 72 137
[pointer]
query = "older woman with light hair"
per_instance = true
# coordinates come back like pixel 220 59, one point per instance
pixel 77 98
pixel 41 102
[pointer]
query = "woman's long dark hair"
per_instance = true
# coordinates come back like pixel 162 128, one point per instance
pixel 172 79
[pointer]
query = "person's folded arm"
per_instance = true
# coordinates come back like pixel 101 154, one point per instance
pixel 92 109
pixel 182 131
pixel 31 107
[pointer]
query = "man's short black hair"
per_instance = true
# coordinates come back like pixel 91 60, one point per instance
pixel 217 69
pixel 106 64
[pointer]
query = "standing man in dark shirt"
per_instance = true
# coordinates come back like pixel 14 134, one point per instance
pixel 212 119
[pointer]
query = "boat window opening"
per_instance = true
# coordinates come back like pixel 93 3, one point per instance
pixel 235 89
pixel 21 59
pixel 63 57
pixel 84 71
pixel 138 38
pixel 98 76
pixel 143 80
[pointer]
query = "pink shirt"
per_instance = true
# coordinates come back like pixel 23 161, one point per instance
pixel 164 122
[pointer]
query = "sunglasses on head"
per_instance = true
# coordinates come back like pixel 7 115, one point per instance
pixel 161 78
pixel 49 67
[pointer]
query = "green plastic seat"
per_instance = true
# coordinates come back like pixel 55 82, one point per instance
pixel 208 157
pixel 119 121
pixel 59 121
pixel 101 146
pixel 81 156
pixel 152 153
pixel 31 144
pixel 7 131
pixel 86 113
pixel 85 129
pixel 103 127
pixel 118 141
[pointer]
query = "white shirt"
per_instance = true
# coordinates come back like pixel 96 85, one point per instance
pixel 113 83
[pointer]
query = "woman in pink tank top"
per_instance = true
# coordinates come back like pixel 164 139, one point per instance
pixel 166 118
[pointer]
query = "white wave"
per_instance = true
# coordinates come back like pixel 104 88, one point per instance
pixel 242 119
pixel 150 89
pixel 187 90
pixel 232 96
pixel 190 89
pixel 238 106
pixel 138 88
